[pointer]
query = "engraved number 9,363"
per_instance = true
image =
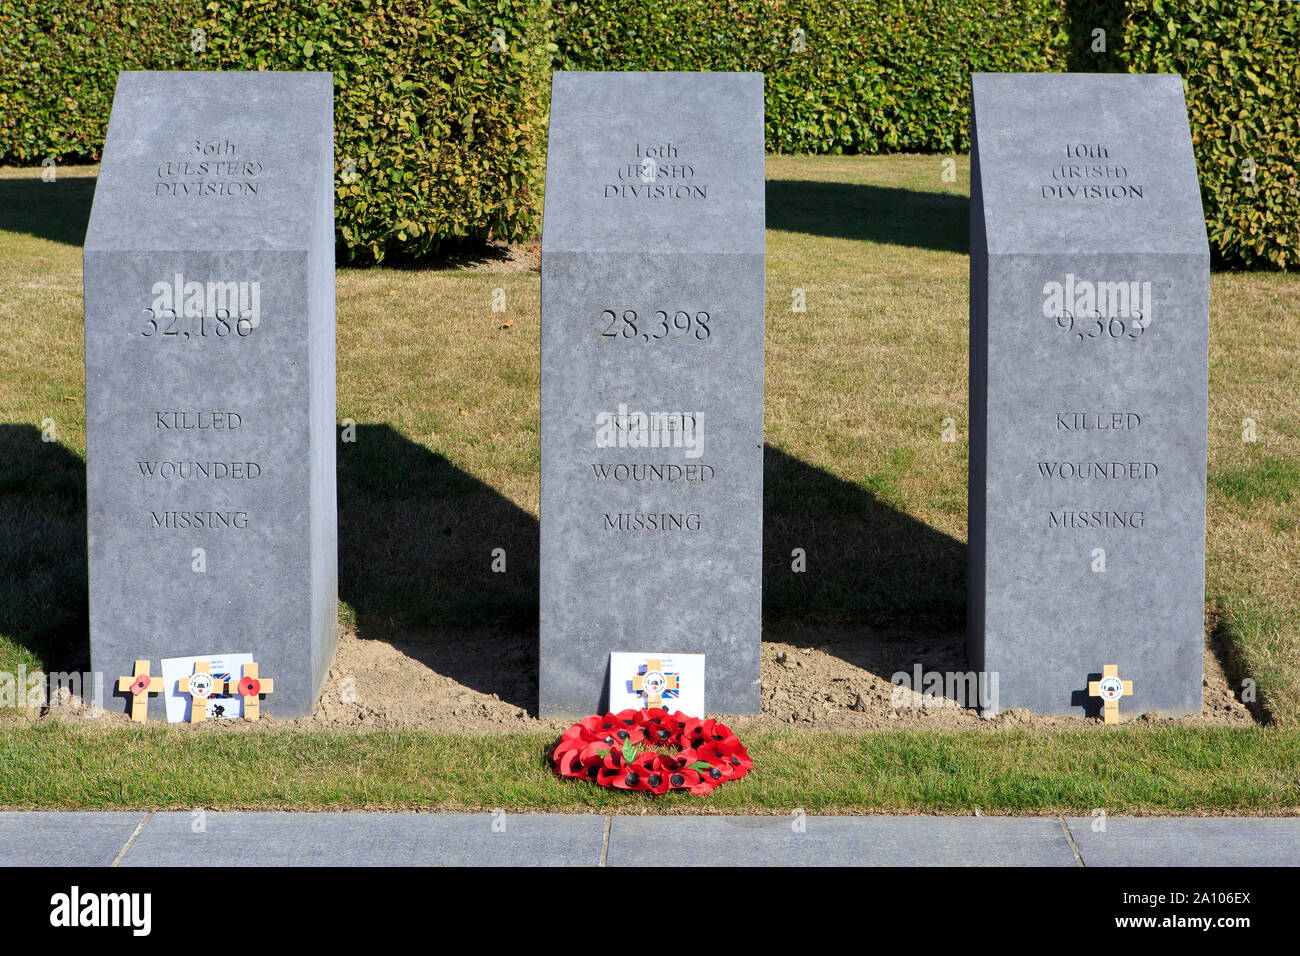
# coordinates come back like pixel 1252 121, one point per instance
pixel 1098 326
pixel 627 325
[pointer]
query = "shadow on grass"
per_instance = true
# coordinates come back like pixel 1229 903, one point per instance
pixel 416 542
pixel 43 603
pixel 454 255
pixel 899 217
pixel 1225 642
pixel 416 536
pixel 57 211
pixel 894 585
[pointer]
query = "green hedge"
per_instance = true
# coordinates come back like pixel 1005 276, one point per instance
pixel 870 77
pixel 447 137
pixel 893 75
pixel 59 61
pixel 1241 62
pixel 439 138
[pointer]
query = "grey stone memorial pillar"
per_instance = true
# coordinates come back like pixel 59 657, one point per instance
pixel 209 298
pixel 652 381
pixel 1089 338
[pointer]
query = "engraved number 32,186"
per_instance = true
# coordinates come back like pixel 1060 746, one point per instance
pixel 167 322
pixel 627 325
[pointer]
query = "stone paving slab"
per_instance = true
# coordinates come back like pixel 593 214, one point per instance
pixel 38 838
pixel 839 841
pixel 1182 841
pixel 424 839
pixel 368 839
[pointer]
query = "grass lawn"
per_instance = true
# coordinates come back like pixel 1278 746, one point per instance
pixel 1170 770
pixel 444 394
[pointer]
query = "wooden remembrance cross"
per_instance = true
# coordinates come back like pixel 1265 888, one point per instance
pixel 200 686
pixel 141 685
pixel 1110 689
pixel 655 689
pixel 250 687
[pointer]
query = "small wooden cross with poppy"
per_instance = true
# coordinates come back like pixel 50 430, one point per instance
pixel 140 685
pixel 251 687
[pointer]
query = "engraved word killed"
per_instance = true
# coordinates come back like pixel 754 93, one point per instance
pixel 638 429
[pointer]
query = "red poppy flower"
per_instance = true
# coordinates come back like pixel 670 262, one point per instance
pixel 661 728
pixel 654 769
pixel 631 777
pixel 734 755
pixel 599 726
pixel 569 763
pixel 567 756
pixel 571 743
pixel 605 776
pixel 683 778
pixel 712 731
pixel 691 731
pixel 599 752
pixel 728 766
pixel 584 728
pixel 623 727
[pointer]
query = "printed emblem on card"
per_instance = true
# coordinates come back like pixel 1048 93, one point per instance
pixel 645 679
pixel 1112 688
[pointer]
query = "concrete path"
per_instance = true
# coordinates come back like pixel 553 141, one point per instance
pixel 423 839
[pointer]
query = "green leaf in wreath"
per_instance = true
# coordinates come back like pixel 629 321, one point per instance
pixel 629 752
pixel 701 765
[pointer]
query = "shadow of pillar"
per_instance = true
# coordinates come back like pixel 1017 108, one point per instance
pixel 869 565
pixel 900 217
pixel 43 589
pixel 416 542
pixel 57 211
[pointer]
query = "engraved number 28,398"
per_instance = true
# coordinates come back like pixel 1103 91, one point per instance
pixel 627 325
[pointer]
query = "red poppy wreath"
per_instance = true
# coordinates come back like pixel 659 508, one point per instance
pixel 612 751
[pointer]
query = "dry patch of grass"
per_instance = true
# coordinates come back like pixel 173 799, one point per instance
pixel 1253 511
